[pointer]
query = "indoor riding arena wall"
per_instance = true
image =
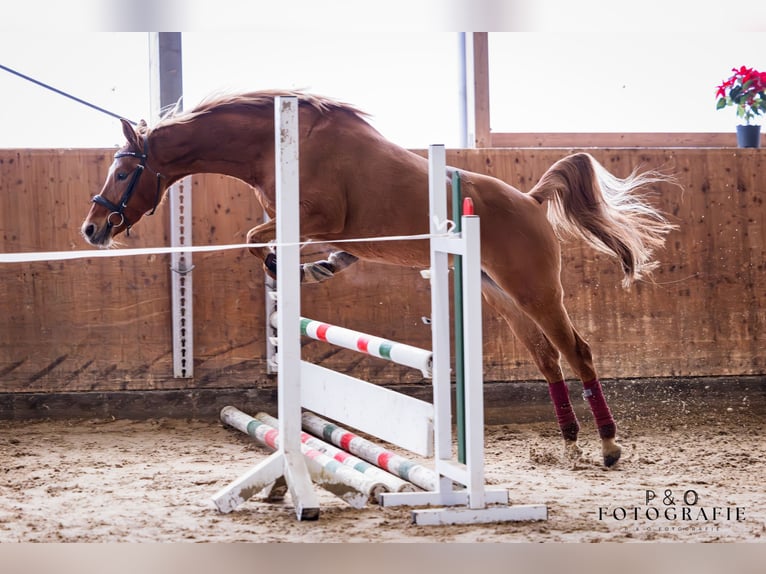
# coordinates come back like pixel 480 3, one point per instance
pixel 99 326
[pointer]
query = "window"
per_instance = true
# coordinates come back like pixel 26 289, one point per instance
pixel 408 82
pixel 614 83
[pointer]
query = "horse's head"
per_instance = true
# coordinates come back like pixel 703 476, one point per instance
pixel 127 194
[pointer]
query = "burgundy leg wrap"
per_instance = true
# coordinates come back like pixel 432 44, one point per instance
pixel 564 412
pixel 601 413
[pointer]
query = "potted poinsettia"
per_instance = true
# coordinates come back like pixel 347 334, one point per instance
pixel 746 90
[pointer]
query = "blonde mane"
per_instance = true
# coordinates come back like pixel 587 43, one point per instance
pixel 255 102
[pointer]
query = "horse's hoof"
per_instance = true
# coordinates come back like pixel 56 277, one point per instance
pixel 611 459
pixel 270 265
pixel 341 259
pixel 317 271
pixel 612 453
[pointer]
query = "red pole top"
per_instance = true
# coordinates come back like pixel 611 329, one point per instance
pixel 468 206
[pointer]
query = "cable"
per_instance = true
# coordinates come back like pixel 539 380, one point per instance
pixel 27 257
pixel 62 93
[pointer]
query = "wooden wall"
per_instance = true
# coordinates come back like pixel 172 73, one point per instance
pixel 104 324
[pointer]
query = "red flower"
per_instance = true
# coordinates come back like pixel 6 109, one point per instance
pixel 745 89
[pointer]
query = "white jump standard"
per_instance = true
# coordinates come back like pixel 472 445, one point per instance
pixel 418 426
pixel 474 503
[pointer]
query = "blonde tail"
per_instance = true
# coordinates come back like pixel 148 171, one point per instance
pixel 587 201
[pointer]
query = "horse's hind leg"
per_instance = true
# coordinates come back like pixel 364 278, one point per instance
pixel 311 272
pixel 549 313
pixel 545 356
pixel 538 294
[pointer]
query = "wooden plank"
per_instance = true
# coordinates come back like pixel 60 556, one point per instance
pixel 441 516
pixel 72 325
pixel 388 415
pixel 613 139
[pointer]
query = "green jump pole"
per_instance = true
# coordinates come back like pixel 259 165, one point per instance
pixel 457 202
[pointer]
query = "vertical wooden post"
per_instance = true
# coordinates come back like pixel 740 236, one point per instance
pixel 476 61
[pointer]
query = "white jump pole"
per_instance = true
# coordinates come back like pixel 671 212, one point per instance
pixel 379 347
pixel 399 353
pixel 371 452
pixel 345 482
pixel 383 481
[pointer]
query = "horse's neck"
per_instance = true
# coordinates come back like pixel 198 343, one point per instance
pixel 208 145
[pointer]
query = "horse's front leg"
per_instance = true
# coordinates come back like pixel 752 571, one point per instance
pixel 260 236
pixel 312 272
pixel 318 271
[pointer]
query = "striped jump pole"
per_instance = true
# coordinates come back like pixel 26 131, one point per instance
pixel 391 482
pixel 345 482
pixel 417 474
pixel 399 353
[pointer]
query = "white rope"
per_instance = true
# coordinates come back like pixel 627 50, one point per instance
pixel 93 253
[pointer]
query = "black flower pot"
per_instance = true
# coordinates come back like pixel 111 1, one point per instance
pixel 748 136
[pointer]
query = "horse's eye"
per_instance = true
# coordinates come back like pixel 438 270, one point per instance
pixel 122 175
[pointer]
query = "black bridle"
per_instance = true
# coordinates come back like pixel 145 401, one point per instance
pixel 119 209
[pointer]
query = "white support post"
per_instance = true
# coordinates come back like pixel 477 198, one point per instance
pixel 270 301
pixel 288 458
pixel 473 367
pixel 166 87
pixel 440 323
pixel 289 302
pixel 181 279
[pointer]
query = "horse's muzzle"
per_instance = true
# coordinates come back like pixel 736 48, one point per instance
pixel 98 237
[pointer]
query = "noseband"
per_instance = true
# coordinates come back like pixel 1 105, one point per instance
pixel 119 209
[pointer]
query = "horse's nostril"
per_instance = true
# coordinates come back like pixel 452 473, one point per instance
pixel 89 230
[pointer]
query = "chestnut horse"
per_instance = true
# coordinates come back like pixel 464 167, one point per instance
pixel 356 184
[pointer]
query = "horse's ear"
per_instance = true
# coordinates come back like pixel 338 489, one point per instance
pixel 130 135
